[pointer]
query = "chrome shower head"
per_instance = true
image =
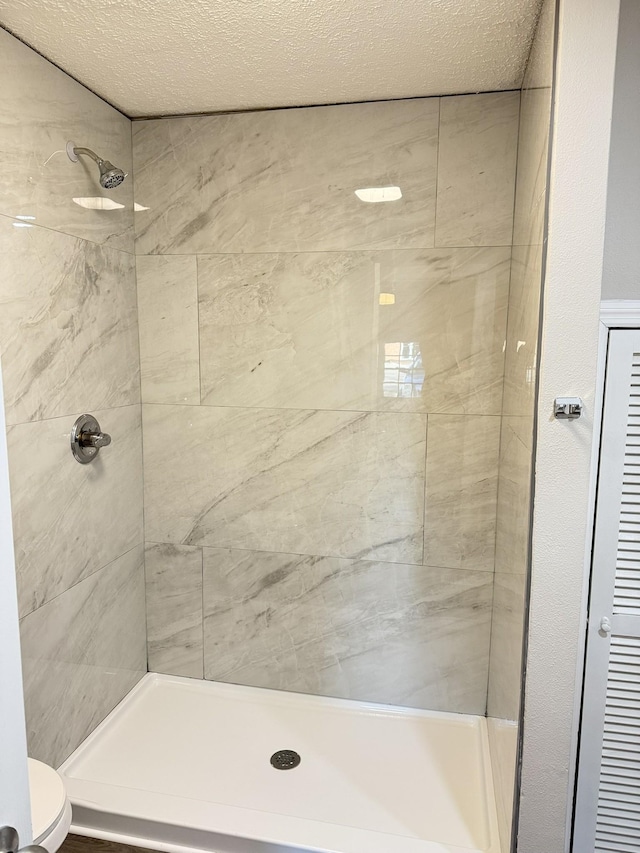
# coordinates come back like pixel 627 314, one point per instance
pixel 110 176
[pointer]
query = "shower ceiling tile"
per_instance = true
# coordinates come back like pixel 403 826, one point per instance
pixel 68 329
pixel 407 635
pixel 81 654
pixel 168 323
pixel 461 491
pixel 50 493
pixel 336 483
pixel 477 169
pixel 41 109
pixel 308 331
pixel 152 57
pixel 286 181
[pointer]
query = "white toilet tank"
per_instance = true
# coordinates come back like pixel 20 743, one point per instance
pixel 50 807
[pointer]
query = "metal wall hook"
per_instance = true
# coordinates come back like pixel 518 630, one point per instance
pixel 86 440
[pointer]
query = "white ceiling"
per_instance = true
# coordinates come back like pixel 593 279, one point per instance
pixel 165 57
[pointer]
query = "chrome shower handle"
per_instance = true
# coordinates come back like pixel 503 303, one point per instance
pixel 94 439
pixel 86 439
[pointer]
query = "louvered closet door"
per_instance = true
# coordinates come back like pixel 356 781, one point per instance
pixel 608 796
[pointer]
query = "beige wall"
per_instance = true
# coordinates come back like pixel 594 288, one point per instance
pixel 68 343
pixel 312 522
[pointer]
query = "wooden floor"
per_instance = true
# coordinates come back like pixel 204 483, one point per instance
pixel 81 844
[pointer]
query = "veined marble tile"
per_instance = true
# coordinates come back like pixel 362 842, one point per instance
pixel 71 519
pixel 521 352
pixel 285 180
pixel 406 635
pixel 81 654
pixel 308 330
pixel 174 609
pixel 461 491
pixel 68 324
pixel 477 169
pixel 41 109
pixel 309 482
pixel 505 672
pixel 514 495
pixel 531 184
pixel 168 322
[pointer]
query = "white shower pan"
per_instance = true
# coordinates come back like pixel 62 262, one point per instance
pixel 184 765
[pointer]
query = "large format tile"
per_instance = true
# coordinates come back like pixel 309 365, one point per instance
pixel 81 654
pixel 168 322
pixel 514 495
pixel 521 351
pixel 334 483
pixel 285 180
pixel 533 149
pixel 402 634
pixel 174 609
pixel 505 673
pixel 71 519
pixel 308 330
pixel 41 108
pixel 477 169
pixel 461 491
pixel 68 327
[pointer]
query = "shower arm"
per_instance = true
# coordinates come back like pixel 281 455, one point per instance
pixel 89 153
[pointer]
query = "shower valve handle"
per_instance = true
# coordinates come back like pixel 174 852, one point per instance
pixel 86 440
pixel 94 439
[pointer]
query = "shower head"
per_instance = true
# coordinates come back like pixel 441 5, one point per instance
pixel 110 176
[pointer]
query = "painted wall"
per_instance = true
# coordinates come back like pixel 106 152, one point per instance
pixel 322 387
pixel 69 344
pixel 583 96
pixel 516 445
pixel 621 277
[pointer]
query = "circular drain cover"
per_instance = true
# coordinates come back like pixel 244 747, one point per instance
pixel 285 759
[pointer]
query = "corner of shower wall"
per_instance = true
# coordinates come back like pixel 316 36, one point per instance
pixel 516 442
pixel 322 388
pixel 69 345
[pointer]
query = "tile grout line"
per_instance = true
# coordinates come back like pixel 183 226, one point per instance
pixel 82 580
pixel 322 557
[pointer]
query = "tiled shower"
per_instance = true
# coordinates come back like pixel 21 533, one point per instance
pixel 321 406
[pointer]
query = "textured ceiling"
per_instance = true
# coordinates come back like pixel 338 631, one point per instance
pixel 163 57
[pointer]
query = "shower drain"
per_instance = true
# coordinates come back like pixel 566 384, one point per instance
pixel 285 759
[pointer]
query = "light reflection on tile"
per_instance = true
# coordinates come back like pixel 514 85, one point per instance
pixel 338 483
pixel 285 180
pixel 43 108
pixel 308 330
pixel 408 635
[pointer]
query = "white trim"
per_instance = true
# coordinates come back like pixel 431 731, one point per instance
pixel 620 314
pixel 599 589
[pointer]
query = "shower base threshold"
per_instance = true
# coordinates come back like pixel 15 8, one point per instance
pixel 185 765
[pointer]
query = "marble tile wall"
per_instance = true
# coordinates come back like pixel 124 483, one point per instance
pixel 68 345
pixel 517 424
pixel 322 383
